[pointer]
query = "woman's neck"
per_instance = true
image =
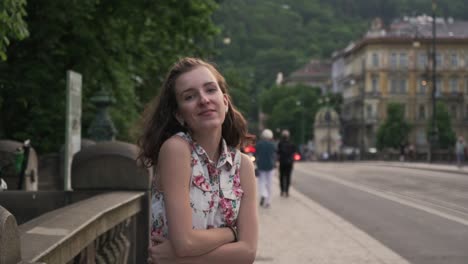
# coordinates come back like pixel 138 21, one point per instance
pixel 210 142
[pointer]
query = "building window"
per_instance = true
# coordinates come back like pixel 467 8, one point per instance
pixel 398 85
pixel 393 86
pixel 421 137
pixel 466 112
pixel 369 113
pixel 439 60
pixel 403 60
pixel 422 112
pixel 438 87
pixel 422 60
pixel 375 84
pixel 453 111
pixel 375 60
pixel 422 85
pixel 402 83
pixel 454 85
pixel 393 60
pixel 466 85
pixel 454 60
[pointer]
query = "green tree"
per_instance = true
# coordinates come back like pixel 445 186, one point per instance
pixel 12 24
pixel 395 129
pixel 291 107
pixel 239 88
pixel 122 46
pixel 445 135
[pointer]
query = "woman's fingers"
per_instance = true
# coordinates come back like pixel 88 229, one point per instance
pixel 158 239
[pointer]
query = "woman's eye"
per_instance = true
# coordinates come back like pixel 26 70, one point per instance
pixel 188 97
pixel 212 89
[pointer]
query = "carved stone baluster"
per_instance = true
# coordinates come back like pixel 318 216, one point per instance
pixel 123 242
pixel 99 245
pixel 108 252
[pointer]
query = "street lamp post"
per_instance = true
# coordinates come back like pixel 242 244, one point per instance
pixel 433 132
pixel 300 104
pixel 328 120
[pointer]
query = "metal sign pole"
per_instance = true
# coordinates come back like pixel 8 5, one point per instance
pixel 72 124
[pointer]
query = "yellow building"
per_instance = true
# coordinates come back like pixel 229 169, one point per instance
pixel 394 65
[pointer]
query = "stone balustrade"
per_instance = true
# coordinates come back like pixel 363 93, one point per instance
pixel 105 219
pixel 100 229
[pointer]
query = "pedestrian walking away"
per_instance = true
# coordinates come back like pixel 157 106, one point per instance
pixel 204 198
pixel 286 151
pixel 266 158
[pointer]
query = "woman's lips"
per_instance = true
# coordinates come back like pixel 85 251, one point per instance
pixel 206 112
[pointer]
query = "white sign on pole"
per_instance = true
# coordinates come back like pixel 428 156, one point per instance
pixel 73 124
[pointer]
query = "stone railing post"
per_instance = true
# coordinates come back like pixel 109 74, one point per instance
pixel 112 166
pixel 10 249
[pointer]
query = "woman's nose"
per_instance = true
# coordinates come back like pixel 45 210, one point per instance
pixel 204 98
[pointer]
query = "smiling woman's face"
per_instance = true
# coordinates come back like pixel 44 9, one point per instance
pixel 201 104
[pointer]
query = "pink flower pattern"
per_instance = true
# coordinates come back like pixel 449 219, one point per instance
pixel 215 190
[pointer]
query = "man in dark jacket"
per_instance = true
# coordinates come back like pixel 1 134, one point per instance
pixel 286 151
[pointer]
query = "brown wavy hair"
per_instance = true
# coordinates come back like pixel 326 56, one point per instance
pixel 159 122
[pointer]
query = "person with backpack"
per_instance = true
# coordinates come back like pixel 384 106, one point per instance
pixel 286 150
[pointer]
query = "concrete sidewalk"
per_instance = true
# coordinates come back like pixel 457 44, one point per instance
pixel 298 230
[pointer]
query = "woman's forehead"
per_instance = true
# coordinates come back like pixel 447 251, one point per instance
pixel 197 77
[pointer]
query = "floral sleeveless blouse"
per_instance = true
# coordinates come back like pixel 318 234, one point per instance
pixel 215 190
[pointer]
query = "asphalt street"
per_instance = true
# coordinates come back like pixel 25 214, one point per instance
pixel 421 215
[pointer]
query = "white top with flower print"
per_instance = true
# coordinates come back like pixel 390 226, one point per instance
pixel 215 190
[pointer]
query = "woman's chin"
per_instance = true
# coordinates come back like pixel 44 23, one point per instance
pixel 207 127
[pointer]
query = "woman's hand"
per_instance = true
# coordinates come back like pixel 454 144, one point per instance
pixel 161 251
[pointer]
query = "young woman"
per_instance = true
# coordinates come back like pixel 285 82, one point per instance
pixel 204 191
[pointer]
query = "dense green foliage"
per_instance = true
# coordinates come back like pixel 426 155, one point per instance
pixel 445 135
pixel 394 131
pixel 12 24
pixel 281 35
pixel 124 47
pixel 294 108
pixel 267 37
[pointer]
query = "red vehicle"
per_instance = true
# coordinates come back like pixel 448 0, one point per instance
pixel 250 150
pixel 297 156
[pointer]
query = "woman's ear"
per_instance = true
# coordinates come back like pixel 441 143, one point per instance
pixel 179 119
pixel 226 102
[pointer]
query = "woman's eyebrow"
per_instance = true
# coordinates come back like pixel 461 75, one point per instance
pixel 187 90
pixel 209 83
pixel 190 89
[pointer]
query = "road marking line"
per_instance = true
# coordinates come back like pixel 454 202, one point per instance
pixel 386 196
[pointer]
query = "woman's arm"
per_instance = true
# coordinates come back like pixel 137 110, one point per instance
pixel 175 172
pixel 243 251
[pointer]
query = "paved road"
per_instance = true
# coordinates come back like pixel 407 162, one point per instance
pixel 421 215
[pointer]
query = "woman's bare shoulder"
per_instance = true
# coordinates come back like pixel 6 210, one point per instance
pixel 246 164
pixel 175 145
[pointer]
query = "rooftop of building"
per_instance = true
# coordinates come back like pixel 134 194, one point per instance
pixel 410 29
pixel 314 67
pixel 419 26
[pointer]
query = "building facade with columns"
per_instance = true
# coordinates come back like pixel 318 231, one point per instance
pixel 393 64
